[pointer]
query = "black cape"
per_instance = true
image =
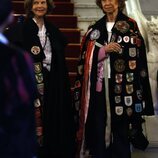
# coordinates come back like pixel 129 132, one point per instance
pixel 57 108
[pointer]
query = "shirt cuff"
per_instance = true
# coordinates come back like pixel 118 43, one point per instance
pixel 102 54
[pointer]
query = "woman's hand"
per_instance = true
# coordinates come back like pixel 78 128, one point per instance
pixel 112 47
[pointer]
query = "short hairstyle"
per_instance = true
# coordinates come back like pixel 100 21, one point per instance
pixel 121 4
pixel 5 9
pixel 28 7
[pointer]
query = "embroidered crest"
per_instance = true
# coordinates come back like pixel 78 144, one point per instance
pixel 119 65
pixel 133 40
pixel 37 67
pixel 143 73
pixel 39 77
pixel 40 88
pixel 117 99
pixel 132 64
pixel 126 39
pixel 80 69
pixel 37 103
pixel 118 89
pixel 128 100
pixel 118 78
pixel 119 110
pixel 122 26
pixel 138 107
pixel 129 111
pixel 77 84
pixel 129 88
pixel 139 94
pixel 35 50
pixel 119 39
pixel 130 77
pixel 95 34
pixel 136 40
pixel 132 52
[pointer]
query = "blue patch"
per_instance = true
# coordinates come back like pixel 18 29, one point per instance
pixel 138 107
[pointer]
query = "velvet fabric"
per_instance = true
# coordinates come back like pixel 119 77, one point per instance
pixel 57 116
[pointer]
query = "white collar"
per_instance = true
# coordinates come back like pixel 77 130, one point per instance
pixel 43 26
pixel 3 39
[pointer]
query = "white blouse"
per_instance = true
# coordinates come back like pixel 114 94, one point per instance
pixel 46 45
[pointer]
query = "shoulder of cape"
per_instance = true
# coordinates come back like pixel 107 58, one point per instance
pixel 95 24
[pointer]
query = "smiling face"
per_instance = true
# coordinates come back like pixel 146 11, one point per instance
pixel 39 8
pixel 109 6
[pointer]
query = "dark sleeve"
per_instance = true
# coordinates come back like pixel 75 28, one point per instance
pixel 144 76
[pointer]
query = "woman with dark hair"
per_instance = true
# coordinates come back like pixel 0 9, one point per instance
pixel 112 88
pixel 46 44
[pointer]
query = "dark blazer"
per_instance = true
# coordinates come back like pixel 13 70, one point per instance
pixel 17 94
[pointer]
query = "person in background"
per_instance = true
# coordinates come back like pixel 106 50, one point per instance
pixel 46 44
pixel 17 95
pixel 112 88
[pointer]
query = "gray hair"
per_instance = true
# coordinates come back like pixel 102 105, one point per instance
pixel 121 4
